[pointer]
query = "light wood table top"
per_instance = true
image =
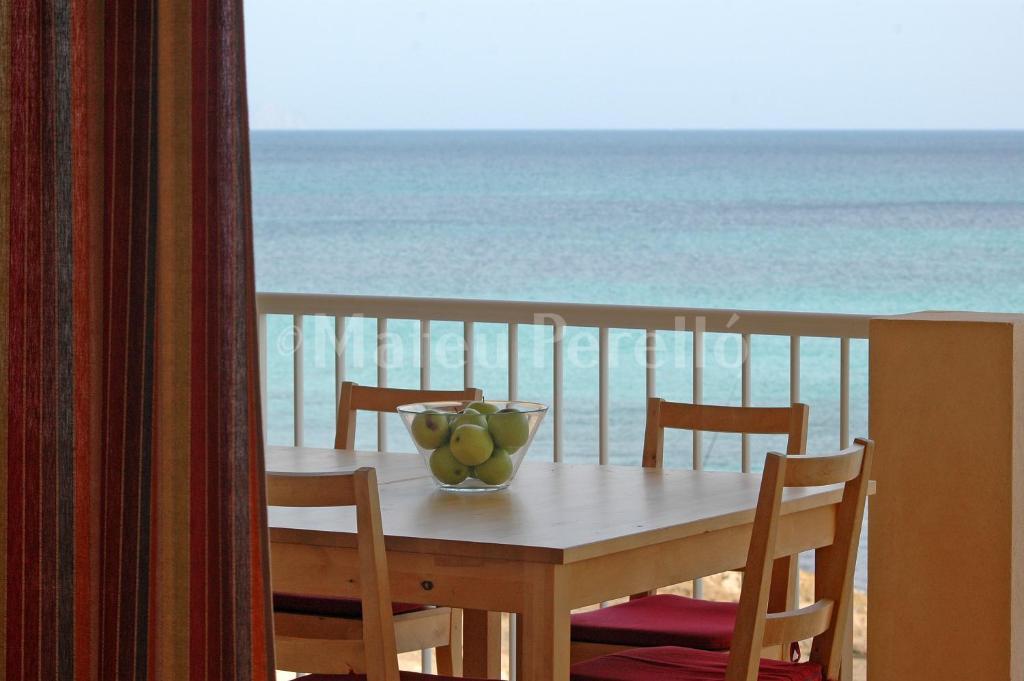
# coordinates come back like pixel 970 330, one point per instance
pixel 553 513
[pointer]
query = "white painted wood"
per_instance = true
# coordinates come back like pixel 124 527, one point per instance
pixel 698 398
pixel 467 354
pixel 382 379
pixel 794 369
pixel 424 354
pixel 698 394
pixel 602 397
pixel 298 384
pixel 745 400
pixel 339 357
pixel 573 314
pixel 650 358
pixel 844 393
pixel 261 341
pixel 513 361
pixel 558 331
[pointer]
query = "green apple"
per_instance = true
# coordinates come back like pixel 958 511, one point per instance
pixel 471 444
pixel 483 407
pixel 509 428
pixel 496 470
pixel 469 416
pixel 446 467
pixel 430 429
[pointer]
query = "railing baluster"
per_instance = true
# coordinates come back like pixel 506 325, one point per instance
pixel 382 380
pixel 339 356
pixel 558 331
pixel 794 396
pixel 844 393
pixel 794 369
pixel 650 354
pixel 602 396
pixel 745 399
pixel 426 658
pixel 698 398
pixel 467 354
pixel 298 384
pixel 424 354
pixel 513 361
pixel 513 394
pixel 698 392
pixel 261 341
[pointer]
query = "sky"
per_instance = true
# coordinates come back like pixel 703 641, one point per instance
pixel 635 64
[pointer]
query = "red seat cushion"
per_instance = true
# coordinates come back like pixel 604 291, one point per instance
pixel 330 606
pixel 671 663
pixel 406 676
pixel 659 620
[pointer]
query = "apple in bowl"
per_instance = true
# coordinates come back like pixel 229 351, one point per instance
pixel 473 446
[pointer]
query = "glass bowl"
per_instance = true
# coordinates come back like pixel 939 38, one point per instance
pixel 472 446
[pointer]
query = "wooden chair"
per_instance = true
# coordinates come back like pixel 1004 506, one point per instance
pixel 826 620
pixel 666 619
pixel 418 627
pixel 356 398
pixel 368 647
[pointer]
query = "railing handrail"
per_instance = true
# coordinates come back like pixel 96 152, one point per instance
pixel 715 320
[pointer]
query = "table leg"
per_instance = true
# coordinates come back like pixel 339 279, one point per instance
pixel 545 627
pixel 481 644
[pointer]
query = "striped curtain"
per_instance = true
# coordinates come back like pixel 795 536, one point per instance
pixel 132 523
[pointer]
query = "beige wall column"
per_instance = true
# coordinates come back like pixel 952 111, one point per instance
pixel 946 527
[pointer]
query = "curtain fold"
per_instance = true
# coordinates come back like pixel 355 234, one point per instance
pixel 132 517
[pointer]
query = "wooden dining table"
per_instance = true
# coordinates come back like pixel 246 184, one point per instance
pixel 562 536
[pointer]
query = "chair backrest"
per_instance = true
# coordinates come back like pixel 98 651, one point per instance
pixel 376 647
pixel 356 397
pixel 791 421
pixel 827 618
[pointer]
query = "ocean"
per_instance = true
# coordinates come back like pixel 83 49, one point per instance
pixel 862 222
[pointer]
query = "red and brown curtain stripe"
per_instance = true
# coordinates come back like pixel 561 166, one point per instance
pixel 132 522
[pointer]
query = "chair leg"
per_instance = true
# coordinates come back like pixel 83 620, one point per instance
pixel 449 657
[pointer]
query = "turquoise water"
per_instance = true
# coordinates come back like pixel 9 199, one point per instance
pixel 829 222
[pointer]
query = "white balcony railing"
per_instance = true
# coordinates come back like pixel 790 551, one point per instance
pixel 693 323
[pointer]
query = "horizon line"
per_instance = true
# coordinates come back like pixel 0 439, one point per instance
pixel 996 130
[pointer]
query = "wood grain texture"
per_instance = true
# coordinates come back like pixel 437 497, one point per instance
pixel 562 536
pixel 947 410
pixel 827 619
pixel 355 398
pixel 790 421
pixel 296 635
pixel 552 513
